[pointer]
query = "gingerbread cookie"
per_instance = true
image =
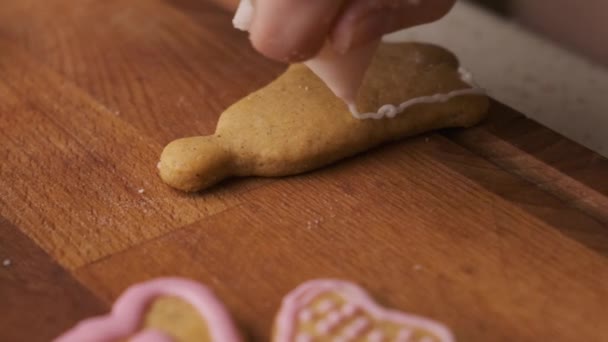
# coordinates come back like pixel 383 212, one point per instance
pixel 295 124
pixel 333 310
pixel 161 310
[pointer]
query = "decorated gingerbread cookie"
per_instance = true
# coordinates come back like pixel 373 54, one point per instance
pixel 161 310
pixel 296 124
pixel 333 310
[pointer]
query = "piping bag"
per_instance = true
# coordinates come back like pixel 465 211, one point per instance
pixel 342 72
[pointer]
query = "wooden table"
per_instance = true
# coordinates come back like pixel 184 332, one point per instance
pixel 499 231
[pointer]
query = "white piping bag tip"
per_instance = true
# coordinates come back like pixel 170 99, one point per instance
pixel 343 73
pixel 243 16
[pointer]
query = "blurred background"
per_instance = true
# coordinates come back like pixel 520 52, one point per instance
pixel 547 59
pixel 578 25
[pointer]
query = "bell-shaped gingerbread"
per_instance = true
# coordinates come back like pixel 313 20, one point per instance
pixel 296 124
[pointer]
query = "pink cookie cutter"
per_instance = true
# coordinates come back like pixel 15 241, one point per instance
pixel 128 310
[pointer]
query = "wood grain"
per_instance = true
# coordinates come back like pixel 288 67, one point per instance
pixel 425 236
pixel 38 298
pixel 543 157
pixel 500 230
pixel 80 170
pixel 167 73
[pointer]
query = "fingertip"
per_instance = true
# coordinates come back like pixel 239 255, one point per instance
pixel 292 30
pixel 287 48
pixel 365 21
pixel 354 30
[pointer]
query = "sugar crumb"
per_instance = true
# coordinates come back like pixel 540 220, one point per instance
pixel 313 223
pixel 6 262
pixel 141 191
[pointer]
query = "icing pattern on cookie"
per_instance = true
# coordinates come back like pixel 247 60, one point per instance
pixel 243 19
pixel 375 336
pixel 354 316
pixel 390 111
pixel 306 316
pixel 128 311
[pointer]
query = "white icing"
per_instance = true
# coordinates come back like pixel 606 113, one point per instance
pixel 348 309
pixel 323 327
pixel 243 16
pixel 390 111
pixel 467 77
pixel 404 335
pixel 305 295
pixel 334 317
pixel 375 336
pixel 357 327
pixel 329 323
pixel 306 316
pixel 325 306
pixel 325 70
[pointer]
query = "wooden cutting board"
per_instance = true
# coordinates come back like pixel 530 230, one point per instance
pixel 499 231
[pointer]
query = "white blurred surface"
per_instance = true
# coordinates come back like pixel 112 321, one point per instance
pixel 555 87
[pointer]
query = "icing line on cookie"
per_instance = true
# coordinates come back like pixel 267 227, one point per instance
pixel 304 294
pixel 127 313
pixel 390 111
pixel 242 21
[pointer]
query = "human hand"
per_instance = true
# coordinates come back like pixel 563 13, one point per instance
pixel 295 30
